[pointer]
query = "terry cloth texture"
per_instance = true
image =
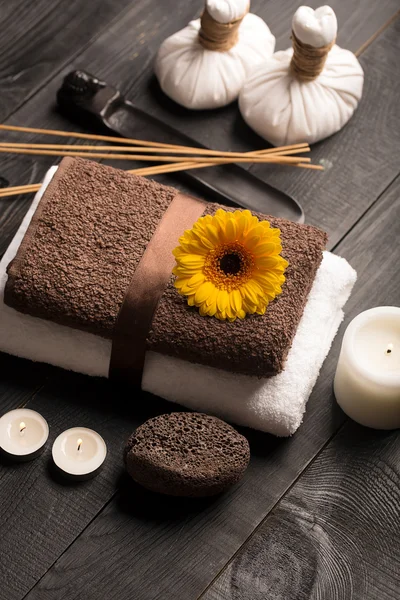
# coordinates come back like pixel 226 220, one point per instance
pixel 85 242
pixel 275 405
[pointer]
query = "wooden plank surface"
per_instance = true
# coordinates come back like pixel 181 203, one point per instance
pixel 167 549
pixel 357 172
pixel 154 535
pixel 40 514
pixel 334 535
pixel 359 160
pixel 38 38
pixel 19 380
pixel 343 535
pixel 118 51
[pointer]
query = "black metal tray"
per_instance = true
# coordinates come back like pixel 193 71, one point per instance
pixel 83 97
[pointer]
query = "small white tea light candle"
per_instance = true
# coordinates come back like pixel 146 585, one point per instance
pixel 79 452
pixel 23 434
pixel 367 380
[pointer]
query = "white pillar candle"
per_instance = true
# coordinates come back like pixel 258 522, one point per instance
pixel 23 433
pixel 79 452
pixel 367 380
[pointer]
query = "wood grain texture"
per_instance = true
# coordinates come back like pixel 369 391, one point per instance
pixel 40 513
pixel 359 160
pixel 142 546
pixel 185 542
pixel 37 38
pixel 336 534
pixel 117 51
pixel 139 533
pixel 19 379
pixel 124 54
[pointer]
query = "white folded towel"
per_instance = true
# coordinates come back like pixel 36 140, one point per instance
pixel 275 405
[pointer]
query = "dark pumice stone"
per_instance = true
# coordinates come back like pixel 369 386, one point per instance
pixel 186 454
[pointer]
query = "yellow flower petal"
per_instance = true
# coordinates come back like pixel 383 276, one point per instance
pixel 248 307
pixel 275 232
pixel 251 221
pixel 181 271
pixel 212 297
pixel 195 247
pixel 205 242
pixel 221 214
pixel 229 313
pixel 248 295
pixel 203 310
pixel 283 263
pixel 266 284
pixel 191 260
pixel 196 280
pixel 255 288
pixel 256 230
pixel 203 292
pixel 265 248
pixel 212 308
pixel 178 251
pixel 179 283
pixel 212 234
pixel 229 264
pixel 236 300
pixel 221 220
pixel 266 225
pixel 241 224
pixel 252 242
pixel 231 231
pixel 222 300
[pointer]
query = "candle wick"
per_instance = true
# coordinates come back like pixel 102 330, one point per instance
pixel 389 349
pixel 80 442
pixel 22 427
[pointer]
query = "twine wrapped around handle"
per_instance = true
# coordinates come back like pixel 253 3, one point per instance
pixel 307 61
pixel 219 37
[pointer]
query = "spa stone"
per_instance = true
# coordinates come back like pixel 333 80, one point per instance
pixel 186 454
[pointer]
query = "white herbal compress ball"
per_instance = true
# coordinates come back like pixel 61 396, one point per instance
pixel 205 64
pixel 306 93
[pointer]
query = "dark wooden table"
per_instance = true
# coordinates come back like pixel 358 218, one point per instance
pixel 317 516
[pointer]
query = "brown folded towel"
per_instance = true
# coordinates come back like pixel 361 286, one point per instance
pixel 85 241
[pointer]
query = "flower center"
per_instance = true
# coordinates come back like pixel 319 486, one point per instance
pixel 229 266
pixel 230 263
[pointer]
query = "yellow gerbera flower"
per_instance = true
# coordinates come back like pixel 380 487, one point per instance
pixel 229 265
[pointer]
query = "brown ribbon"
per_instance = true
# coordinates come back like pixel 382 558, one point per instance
pixel 145 290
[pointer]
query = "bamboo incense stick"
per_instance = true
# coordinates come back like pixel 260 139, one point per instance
pixel 119 140
pixel 289 148
pixel 146 171
pixel 19 189
pixel 315 167
pixel 279 155
pixel 175 167
pixel 87 148
pixel 154 158
pixel 86 136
